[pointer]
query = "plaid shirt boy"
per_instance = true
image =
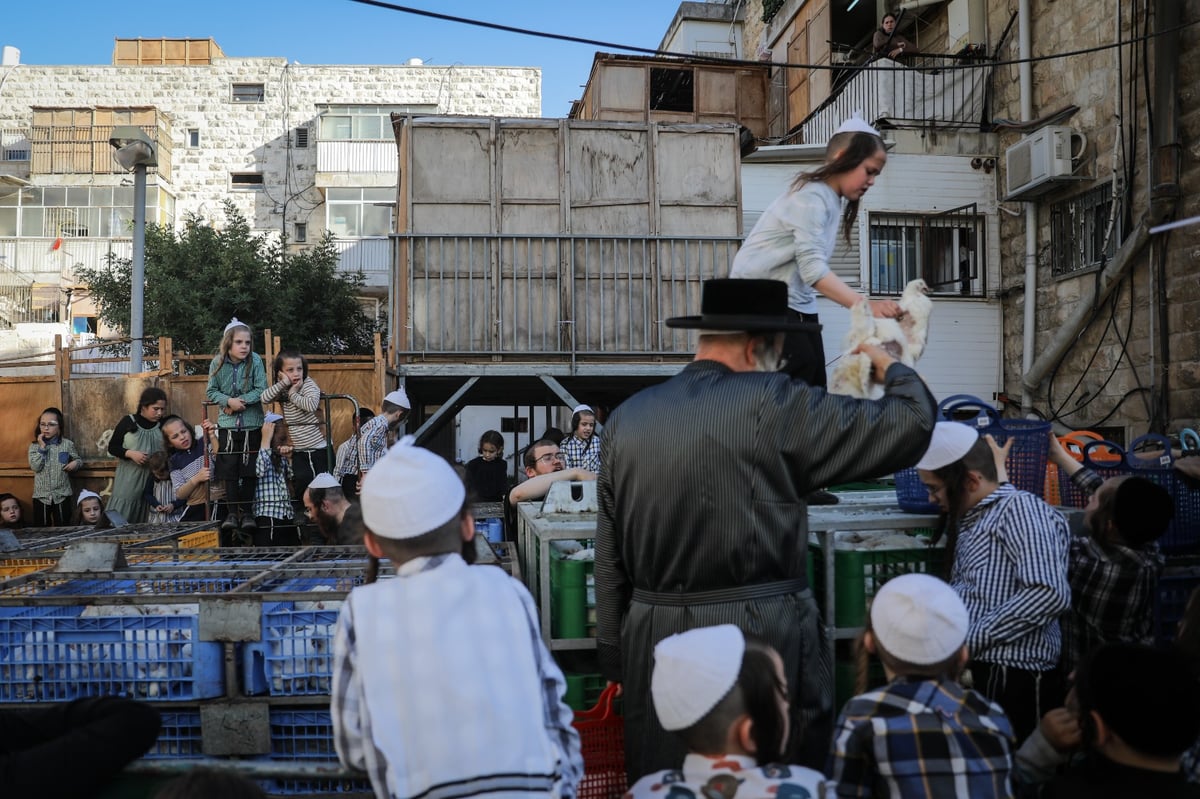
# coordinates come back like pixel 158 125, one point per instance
pixel 920 737
pixel 1112 589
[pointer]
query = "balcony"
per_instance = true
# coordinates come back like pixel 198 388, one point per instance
pixel 46 260
pixel 356 163
pixel 558 298
pixel 928 92
pixel 74 141
pixel 371 257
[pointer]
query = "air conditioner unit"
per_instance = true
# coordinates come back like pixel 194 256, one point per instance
pixel 1036 163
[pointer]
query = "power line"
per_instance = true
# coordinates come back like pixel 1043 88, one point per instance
pixel 986 64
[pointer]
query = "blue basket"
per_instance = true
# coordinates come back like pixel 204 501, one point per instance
pixel 1069 494
pixel 294 657
pixel 179 737
pixel 1158 466
pixel 50 654
pixel 306 735
pixel 1175 586
pixel 1026 463
pixel 911 494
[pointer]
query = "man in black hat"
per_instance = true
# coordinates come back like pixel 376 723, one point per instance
pixel 726 538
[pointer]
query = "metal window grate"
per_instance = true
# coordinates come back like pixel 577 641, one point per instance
pixel 947 250
pixel 1079 229
pixel 301 138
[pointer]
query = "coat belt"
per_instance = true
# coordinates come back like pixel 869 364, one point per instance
pixel 736 594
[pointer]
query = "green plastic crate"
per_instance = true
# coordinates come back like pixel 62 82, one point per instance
pixel 858 574
pixel 583 690
pixel 572 598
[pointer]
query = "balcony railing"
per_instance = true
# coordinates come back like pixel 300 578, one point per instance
pixel 558 297
pixel 357 156
pixel 80 150
pixel 927 91
pixel 372 257
pixel 46 260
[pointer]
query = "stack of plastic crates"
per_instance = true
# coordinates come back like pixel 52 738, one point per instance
pixel 42 547
pixel 1026 463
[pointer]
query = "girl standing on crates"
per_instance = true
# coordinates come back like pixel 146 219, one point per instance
pixel 53 459
pixel 236 381
pixel 189 464
pixel 275 517
pixel 300 397
pixel 133 440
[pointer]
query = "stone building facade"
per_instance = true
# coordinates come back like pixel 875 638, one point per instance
pixel 298 148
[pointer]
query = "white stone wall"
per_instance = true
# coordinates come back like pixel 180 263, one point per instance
pixel 238 137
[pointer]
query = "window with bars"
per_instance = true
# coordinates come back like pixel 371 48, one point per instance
pixel 1080 240
pixel 947 250
pixel 249 92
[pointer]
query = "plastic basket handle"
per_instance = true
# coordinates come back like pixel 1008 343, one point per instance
pixel 1162 461
pixel 1086 454
pixel 1190 441
pixel 1078 439
pixel 986 417
pixel 603 710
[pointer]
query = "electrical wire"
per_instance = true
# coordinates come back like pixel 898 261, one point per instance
pixel 989 64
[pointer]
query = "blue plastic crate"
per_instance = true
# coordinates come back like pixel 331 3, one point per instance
pixel 306 735
pixel 294 657
pixel 150 584
pixel 178 737
pixel 1175 586
pixel 50 654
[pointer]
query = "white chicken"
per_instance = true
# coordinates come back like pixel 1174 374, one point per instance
pixel 903 338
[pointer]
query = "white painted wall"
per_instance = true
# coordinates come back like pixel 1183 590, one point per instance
pixel 964 354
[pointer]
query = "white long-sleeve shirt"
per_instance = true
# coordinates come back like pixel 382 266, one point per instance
pixel 793 241
pixel 443 687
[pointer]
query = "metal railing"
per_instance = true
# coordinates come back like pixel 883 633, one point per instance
pixel 947 250
pixel 369 256
pixel 84 150
pixel 552 296
pixel 926 91
pixel 46 260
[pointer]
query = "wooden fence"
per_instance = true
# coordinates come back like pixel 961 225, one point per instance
pixel 92 404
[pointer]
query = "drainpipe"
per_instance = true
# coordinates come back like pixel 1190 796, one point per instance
pixel 1025 50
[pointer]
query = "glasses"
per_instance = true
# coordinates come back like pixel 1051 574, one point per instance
pixel 48 424
pixel 550 457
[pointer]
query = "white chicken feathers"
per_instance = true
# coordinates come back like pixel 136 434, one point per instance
pixel 903 338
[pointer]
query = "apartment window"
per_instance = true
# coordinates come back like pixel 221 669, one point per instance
pixel 671 89
pixel 946 250
pixel 301 138
pixel 249 92
pixel 364 122
pixel 246 180
pixel 359 213
pixel 71 211
pixel 193 137
pixel 300 232
pixel 1079 229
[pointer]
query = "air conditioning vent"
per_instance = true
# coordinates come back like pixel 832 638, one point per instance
pixel 1038 162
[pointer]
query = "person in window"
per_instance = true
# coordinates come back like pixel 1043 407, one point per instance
pixel 886 42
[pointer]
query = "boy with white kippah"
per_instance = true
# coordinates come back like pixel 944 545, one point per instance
pixel 373 436
pixel 1007 551
pixel 725 695
pixel 442 685
pixel 923 734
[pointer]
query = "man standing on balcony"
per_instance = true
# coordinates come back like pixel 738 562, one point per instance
pixel 702 512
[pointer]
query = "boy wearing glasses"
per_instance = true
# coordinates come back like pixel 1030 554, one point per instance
pixel 543 467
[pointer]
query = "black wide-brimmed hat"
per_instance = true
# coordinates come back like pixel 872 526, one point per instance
pixel 753 306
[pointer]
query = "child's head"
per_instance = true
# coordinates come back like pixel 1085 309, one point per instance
pixel 177 434
pixel 714 685
pixel 292 364
pixel 49 424
pixel 1138 702
pixel 583 421
pixel 854 157
pixel 10 510
pixel 1129 510
pixel 414 504
pixel 918 628
pixel 88 508
pixel 204 783
pixel 159 465
pixel 364 415
pixel 491 445
pixel 279 434
pixel 236 341
pixel 396 406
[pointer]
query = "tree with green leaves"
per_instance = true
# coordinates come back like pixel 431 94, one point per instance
pixel 199 277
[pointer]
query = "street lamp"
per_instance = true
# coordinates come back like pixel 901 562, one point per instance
pixel 134 150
